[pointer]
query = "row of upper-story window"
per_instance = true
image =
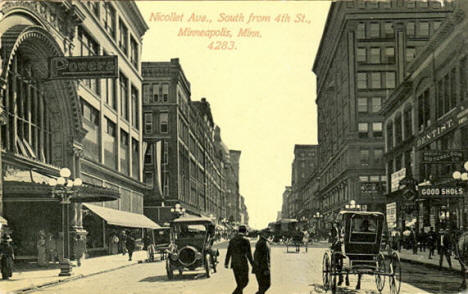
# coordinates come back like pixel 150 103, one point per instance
pixel 382 55
pixel 370 130
pixel 376 80
pixel 106 13
pixel 385 29
pixel 92 124
pixel 106 88
pixel 162 120
pixel 370 156
pixel 400 128
pixel 155 93
pixel 372 4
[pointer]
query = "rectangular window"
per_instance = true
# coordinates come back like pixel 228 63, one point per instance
pixel 410 29
pixel 376 80
pixel 149 154
pixel 135 108
pixel 385 3
pixel 110 152
pixel 364 156
pixel 148 120
pixel 124 152
pixel 165 92
pixel 89 47
pixel 410 54
pixel 435 26
pixel 123 37
pixel 388 29
pixel 363 129
pixel 378 155
pixel 389 54
pixel 361 55
pixel 376 104
pixel 390 80
pixel 374 30
pixel 361 31
pixel 410 3
pixel 134 52
pixel 135 159
pixel 123 97
pixel 163 122
pixel 423 3
pixel 377 130
pixel 146 93
pixel 407 123
pixel 156 93
pixel 374 56
pixel 91 124
pixel 109 19
pixel 389 136
pixel 362 80
pixel 398 130
pixel 423 29
pixel 148 178
pixel 362 105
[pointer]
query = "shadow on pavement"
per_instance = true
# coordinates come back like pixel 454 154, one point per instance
pixel 431 279
pixel 163 278
pixel 318 288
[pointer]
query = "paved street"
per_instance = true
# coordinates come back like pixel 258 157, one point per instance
pixel 291 273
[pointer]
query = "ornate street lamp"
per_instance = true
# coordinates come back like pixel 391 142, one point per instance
pixel 353 206
pixel 64 188
pixel 461 177
pixel 178 210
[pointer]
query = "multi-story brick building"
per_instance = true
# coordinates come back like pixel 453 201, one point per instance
pixel 303 166
pixel 426 133
pixel 189 168
pixel 91 126
pixel 285 203
pixel 363 56
pixel 232 187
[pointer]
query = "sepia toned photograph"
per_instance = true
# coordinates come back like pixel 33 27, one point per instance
pixel 236 146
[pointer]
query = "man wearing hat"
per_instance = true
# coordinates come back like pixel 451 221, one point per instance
pixel 261 267
pixel 7 256
pixel 239 251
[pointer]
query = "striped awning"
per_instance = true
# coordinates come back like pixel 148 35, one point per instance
pixel 122 218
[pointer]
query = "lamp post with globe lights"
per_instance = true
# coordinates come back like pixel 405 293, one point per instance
pixel 461 178
pixel 64 188
pixel 178 210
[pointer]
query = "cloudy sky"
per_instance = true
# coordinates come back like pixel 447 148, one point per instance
pixel 255 70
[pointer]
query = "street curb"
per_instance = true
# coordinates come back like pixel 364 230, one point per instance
pixel 408 260
pixel 77 277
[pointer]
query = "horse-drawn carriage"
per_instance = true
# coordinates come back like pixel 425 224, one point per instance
pixel 190 248
pixel 357 250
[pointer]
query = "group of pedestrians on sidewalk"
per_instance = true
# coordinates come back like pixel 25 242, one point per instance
pixel 239 254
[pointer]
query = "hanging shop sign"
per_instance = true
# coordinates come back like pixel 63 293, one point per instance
pixel 395 179
pixel 391 215
pixel 438 130
pixel 83 67
pixel 442 156
pixel 441 192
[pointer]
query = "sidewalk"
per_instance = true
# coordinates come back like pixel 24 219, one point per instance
pixel 26 280
pixel 423 258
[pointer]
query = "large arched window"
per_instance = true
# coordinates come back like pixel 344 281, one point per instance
pixel 28 130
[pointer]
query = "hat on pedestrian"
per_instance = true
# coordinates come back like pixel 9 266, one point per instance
pixel 6 238
pixel 242 229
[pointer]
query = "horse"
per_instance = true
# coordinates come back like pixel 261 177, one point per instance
pixel 461 250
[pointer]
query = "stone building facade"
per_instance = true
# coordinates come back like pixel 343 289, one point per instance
pixel 363 56
pixel 91 126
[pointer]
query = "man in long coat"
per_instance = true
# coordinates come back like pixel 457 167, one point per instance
pixel 261 267
pixel 240 252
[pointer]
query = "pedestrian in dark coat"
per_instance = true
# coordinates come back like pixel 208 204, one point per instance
pixel 7 256
pixel 432 238
pixel 130 244
pixel 239 252
pixel 123 242
pixel 261 267
pixel 445 248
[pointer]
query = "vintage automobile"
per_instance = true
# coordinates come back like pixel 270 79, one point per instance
pixel 357 251
pixel 162 240
pixel 190 248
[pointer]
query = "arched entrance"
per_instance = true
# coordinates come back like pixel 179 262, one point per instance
pixel 43 132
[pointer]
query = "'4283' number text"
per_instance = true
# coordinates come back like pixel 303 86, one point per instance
pixel 222 45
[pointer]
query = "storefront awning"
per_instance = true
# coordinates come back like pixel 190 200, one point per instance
pixel 122 218
pixel 3 221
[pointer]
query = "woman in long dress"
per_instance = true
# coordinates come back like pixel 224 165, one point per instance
pixel 41 249
pixel 7 256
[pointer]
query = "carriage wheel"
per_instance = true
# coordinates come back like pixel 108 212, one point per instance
pixel 326 274
pixel 334 270
pixel 380 269
pixel 395 271
pixel 170 274
pixel 207 266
